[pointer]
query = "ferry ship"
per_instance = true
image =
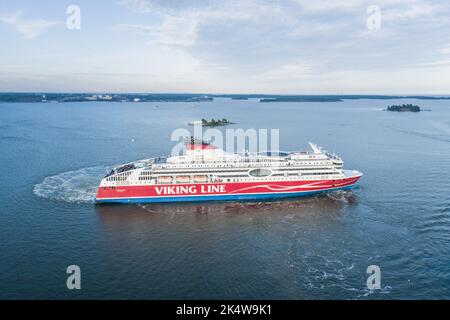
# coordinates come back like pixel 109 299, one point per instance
pixel 206 173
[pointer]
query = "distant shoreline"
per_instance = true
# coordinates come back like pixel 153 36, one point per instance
pixel 35 97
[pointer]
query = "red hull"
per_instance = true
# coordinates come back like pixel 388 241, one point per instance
pixel 219 191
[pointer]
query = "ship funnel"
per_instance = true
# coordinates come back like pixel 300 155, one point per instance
pixel 192 143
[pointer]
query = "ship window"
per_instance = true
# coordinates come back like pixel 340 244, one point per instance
pixel 260 172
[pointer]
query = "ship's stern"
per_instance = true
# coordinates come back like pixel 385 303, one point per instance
pixel 101 192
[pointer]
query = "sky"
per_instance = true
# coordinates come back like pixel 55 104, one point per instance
pixel 226 46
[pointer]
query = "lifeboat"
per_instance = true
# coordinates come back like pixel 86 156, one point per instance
pixel 183 179
pixel 201 178
pixel 165 179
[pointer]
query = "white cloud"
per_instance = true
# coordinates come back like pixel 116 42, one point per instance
pixel 434 63
pixel 289 72
pixel 182 22
pixel 335 5
pixel 30 28
pixel 293 44
pixel 444 50
pixel 409 12
pixel 289 46
pixel 174 31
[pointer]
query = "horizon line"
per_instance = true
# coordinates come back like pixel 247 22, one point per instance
pixel 227 94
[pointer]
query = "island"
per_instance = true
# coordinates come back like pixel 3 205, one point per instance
pixel 239 98
pixel 404 108
pixel 200 99
pixel 215 123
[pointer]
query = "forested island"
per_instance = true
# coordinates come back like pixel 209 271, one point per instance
pixel 239 98
pixel 404 108
pixel 215 123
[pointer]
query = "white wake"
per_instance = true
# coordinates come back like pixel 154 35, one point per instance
pixel 79 186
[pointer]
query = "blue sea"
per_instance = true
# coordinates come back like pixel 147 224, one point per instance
pixel 53 156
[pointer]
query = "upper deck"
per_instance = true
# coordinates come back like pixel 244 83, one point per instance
pixel 200 155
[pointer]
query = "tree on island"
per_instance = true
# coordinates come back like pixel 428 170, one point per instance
pixel 404 107
pixel 214 123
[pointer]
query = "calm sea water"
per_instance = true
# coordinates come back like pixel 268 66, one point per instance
pixel 53 156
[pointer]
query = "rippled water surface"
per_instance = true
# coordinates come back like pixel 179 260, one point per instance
pixel 53 156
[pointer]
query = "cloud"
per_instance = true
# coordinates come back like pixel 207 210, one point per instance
pixel 30 28
pixel 411 12
pixel 289 72
pixel 434 63
pixel 289 46
pixel 184 21
pixel 293 40
pixel 336 5
pixel 444 50
pixel 174 31
pixel 229 28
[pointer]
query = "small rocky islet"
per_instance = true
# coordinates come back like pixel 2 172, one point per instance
pixel 404 108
